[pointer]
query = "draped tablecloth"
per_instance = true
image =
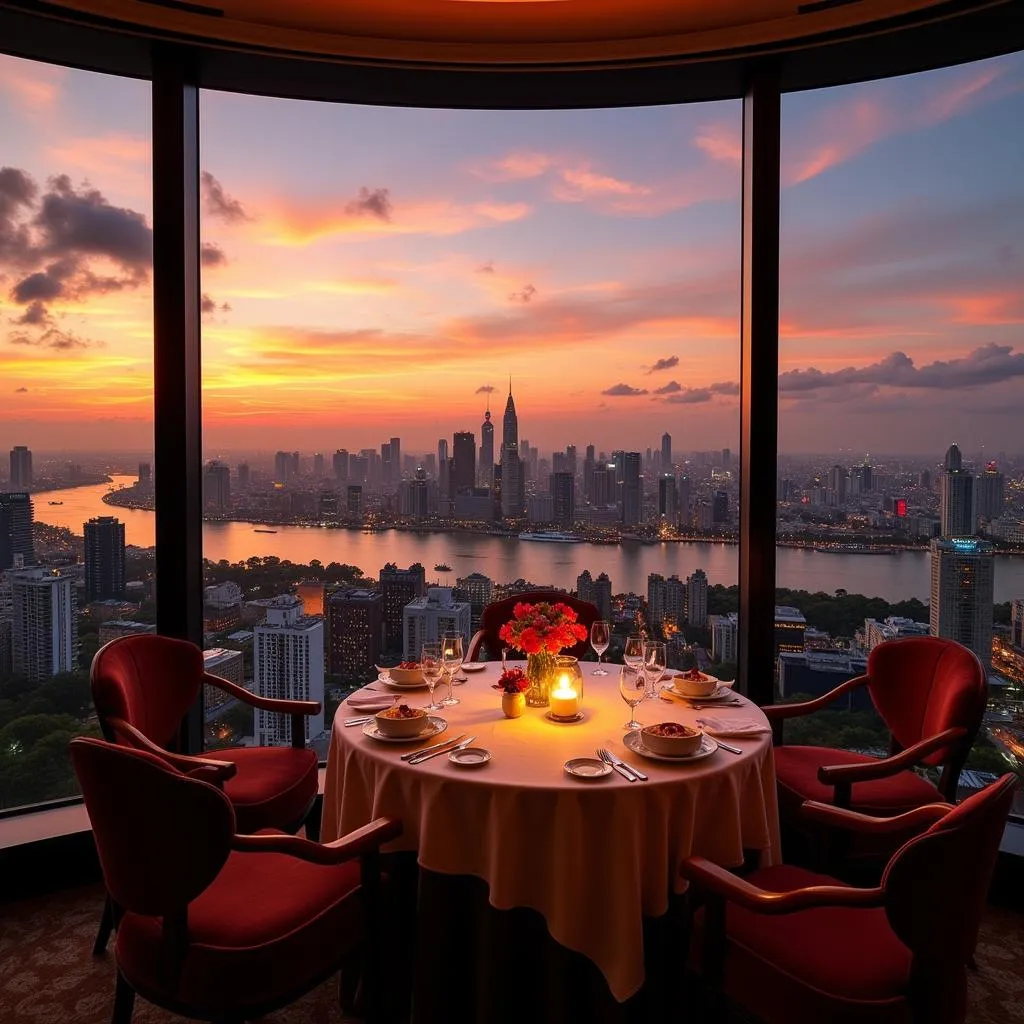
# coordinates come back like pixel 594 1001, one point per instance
pixel 593 858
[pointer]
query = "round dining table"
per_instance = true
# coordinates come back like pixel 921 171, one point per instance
pixel 594 857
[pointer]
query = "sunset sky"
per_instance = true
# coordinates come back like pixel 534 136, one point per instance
pixel 369 271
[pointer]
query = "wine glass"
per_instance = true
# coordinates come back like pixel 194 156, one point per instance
pixel 631 688
pixel 452 656
pixel 600 638
pixel 432 668
pixel 633 652
pixel 654 665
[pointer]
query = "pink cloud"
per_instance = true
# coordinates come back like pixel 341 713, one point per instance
pixel 720 142
pixel 34 86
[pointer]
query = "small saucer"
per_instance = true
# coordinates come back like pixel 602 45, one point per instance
pixel 470 757
pixel 563 719
pixel 474 666
pixel 587 768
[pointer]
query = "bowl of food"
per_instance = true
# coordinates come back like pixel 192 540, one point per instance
pixel 672 739
pixel 408 673
pixel 694 683
pixel 401 722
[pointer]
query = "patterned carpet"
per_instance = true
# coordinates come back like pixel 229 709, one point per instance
pixel 49 976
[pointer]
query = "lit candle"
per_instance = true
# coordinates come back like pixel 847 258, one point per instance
pixel 564 702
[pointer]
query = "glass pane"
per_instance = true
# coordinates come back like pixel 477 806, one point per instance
pixel 76 365
pixel 383 283
pixel 900 468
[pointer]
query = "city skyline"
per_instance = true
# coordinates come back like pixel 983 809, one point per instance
pixel 394 282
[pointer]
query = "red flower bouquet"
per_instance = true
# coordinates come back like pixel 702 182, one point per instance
pixel 542 628
pixel 512 680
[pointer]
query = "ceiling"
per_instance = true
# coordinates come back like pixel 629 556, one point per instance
pixel 489 32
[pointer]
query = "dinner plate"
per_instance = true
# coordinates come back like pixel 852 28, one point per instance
pixel 587 768
pixel 388 681
pixel 470 757
pixel 435 726
pixel 474 666
pixel 720 693
pixel 634 741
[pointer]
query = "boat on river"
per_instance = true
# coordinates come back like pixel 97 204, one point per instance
pixel 259 530
pixel 552 537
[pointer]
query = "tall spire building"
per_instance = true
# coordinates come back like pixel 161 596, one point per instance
pixel 956 497
pixel 513 490
pixel 485 471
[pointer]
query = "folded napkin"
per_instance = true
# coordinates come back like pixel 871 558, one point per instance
pixel 732 726
pixel 370 701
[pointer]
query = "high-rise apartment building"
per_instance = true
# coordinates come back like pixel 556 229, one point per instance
pixel 355 631
pixel 426 620
pixel 720 514
pixel 668 498
pixel 462 472
pixel 675 600
pixel 632 493
pixel 226 664
pixel 836 490
pixel 243 475
pixel 697 599
pixel 318 465
pixel 217 487
pixel 395 447
pixel 44 636
pixel 145 473
pixel 288 662
pixel 563 496
pixel 21 468
pixel 339 463
pixel 962 587
pixel 666 452
pixel 585 586
pixel 398 587
pixel 104 558
pixel 443 472
pixel 354 500
pixel 602 485
pixel 1017 623
pixel 724 630
pixel 485 471
pixel 991 492
pixel 603 596
pixel 956 497
pixel 16 543
pixel 589 462
pixel 655 599
pixel 479 589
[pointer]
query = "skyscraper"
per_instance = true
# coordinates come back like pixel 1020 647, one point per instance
pixel 43 625
pixel 513 483
pixel 697 599
pixel 956 497
pixel 318 465
pixel 355 631
pixel 588 471
pixel 426 620
pixel 668 499
pixel 242 473
pixel 16 529
pixel 991 492
pixel 462 472
pixel 603 596
pixel 479 589
pixel 485 471
pixel 962 586
pixel 443 470
pixel 145 473
pixel 632 494
pixel 21 468
pixel 288 664
pixel 602 485
pixel 720 515
pixel 563 493
pixel 1017 623
pixel 104 558
pixel 398 587
pixel 666 453
pixel 282 467
pixel 675 600
pixel 339 463
pixel 585 586
pixel 655 599
pixel 217 487
pixel 395 446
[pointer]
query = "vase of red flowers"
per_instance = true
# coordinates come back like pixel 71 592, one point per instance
pixel 541 631
pixel 513 684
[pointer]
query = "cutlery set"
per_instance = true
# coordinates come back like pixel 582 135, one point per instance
pixel 447 747
pixel 627 771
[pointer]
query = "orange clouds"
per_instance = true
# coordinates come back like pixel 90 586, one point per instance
pixel 33 85
pixel 580 183
pixel 720 142
pixel 990 309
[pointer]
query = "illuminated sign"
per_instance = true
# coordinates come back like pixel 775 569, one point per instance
pixel 901 507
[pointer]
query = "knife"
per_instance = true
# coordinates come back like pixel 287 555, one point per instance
pixel 636 771
pixel 618 767
pixel 727 746
pixel 445 750
pixel 436 746
pixel 358 721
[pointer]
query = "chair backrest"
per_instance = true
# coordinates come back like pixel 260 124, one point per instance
pixel 149 681
pixel 937 883
pixel 496 614
pixel 924 685
pixel 162 837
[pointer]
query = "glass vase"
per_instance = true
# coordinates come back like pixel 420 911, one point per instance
pixel 540 671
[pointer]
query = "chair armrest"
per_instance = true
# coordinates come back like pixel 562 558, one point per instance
pixel 206 768
pixel 780 712
pixel 284 707
pixel 854 821
pixel 837 775
pixel 359 843
pixel 474 645
pixel 723 883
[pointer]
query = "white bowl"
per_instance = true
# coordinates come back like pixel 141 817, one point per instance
pixel 703 687
pixel 402 728
pixel 672 746
pixel 406 676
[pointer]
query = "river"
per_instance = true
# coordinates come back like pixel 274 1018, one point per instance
pixel 892 577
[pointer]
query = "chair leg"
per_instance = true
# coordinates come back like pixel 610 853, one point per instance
pixel 124 1001
pixel 106 927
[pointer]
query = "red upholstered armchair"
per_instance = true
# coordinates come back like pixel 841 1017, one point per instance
pixel 142 687
pixel 931 693
pixel 216 925
pixel 794 947
pixel 496 614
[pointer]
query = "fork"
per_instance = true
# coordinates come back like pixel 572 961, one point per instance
pixel 624 770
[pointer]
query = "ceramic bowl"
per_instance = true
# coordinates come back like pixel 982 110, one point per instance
pixel 683 741
pixel 402 728
pixel 703 687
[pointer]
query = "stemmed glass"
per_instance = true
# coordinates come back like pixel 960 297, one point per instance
pixel 654 665
pixel 432 668
pixel 452 656
pixel 633 652
pixel 600 638
pixel 631 688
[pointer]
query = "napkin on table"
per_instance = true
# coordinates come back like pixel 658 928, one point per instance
pixel 732 726
pixel 370 701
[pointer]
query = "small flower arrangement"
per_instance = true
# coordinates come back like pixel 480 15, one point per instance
pixel 542 628
pixel 512 680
